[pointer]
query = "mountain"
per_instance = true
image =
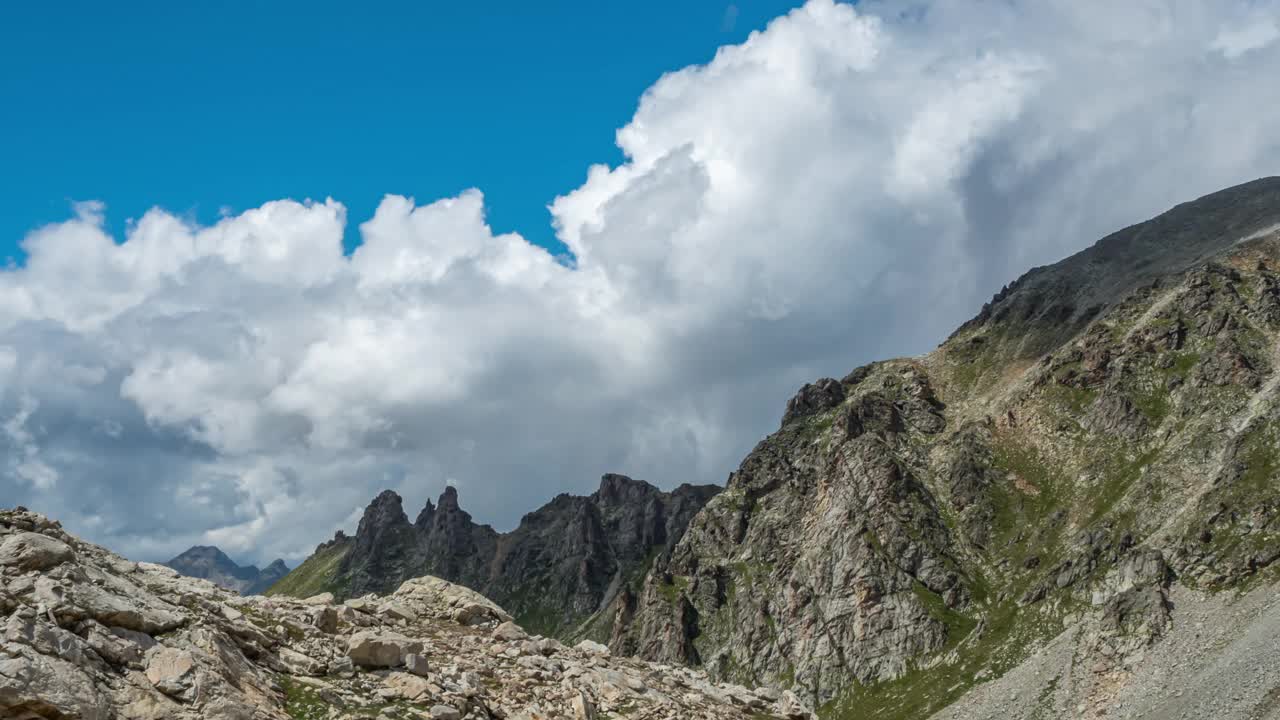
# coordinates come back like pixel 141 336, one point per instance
pixel 92 636
pixel 210 563
pixel 556 572
pixel 1014 524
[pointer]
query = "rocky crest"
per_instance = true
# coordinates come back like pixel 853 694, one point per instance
pixel 1104 433
pixel 560 572
pixel 210 563
pixel 92 636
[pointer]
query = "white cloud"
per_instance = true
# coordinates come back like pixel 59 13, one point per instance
pixel 845 185
pixel 25 462
pixel 1254 35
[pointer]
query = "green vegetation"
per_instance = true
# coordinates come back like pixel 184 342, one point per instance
pixel 1152 400
pixel 1028 488
pixel 1119 473
pixel 314 576
pixel 983 654
pixel 1183 363
pixel 301 701
pixel 671 591
pixel 958 625
pixel 1074 399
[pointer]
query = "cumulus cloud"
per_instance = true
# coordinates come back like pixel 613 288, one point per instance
pixel 848 184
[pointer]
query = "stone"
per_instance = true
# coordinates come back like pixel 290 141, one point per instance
pixel 592 647
pixel 445 712
pixel 325 619
pixel 33 551
pixel 398 611
pixel 474 614
pixel 410 687
pixel 172 672
pixel 509 632
pixel 416 664
pixel 583 708
pixel 385 650
pixel 324 598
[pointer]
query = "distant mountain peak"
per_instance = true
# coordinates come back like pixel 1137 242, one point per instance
pixel 210 563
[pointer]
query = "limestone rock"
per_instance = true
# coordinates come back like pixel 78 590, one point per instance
pixel 509 632
pixel 33 551
pixel 381 649
pixel 172 671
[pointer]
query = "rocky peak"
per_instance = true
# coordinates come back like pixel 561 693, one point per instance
pixel 425 516
pixel 448 501
pixel 814 398
pixel 619 489
pixel 386 510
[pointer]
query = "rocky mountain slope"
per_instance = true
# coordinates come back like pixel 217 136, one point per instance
pixel 555 572
pixel 92 636
pixel 210 563
pixel 1100 441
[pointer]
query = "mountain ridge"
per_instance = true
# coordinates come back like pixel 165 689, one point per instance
pixel 562 565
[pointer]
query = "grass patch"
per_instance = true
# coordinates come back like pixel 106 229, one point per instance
pixel 1005 640
pixel 302 702
pixel 317 574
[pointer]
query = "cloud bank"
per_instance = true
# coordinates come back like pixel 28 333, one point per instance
pixel 848 184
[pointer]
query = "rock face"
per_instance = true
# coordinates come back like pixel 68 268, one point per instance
pixel 210 563
pixel 92 636
pixel 1104 426
pixel 562 571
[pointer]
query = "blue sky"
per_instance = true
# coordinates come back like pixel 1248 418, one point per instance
pixel 197 107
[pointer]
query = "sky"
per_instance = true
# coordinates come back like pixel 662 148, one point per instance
pixel 209 108
pixel 265 266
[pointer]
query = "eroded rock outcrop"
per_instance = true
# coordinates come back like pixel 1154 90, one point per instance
pixel 91 636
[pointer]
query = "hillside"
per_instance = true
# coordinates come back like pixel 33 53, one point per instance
pixel 1102 437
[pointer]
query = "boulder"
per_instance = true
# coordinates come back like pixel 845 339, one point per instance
pixel 408 687
pixel 592 647
pixel 509 632
pixel 381 650
pixel 33 551
pixel 416 664
pixel 325 619
pixel 445 712
pixel 172 672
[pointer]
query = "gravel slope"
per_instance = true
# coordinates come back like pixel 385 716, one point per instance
pixel 1219 659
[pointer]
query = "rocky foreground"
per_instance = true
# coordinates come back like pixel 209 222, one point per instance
pixel 93 636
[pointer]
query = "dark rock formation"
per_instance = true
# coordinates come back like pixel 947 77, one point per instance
pixel 561 572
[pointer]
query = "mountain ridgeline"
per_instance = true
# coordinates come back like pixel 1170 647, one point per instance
pixel 1004 527
pixel 556 572
pixel 210 563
